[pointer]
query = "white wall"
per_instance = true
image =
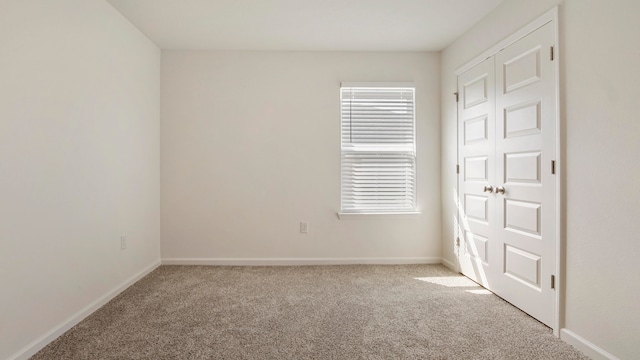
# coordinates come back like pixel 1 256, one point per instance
pixel 599 79
pixel 79 163
pixel 250 147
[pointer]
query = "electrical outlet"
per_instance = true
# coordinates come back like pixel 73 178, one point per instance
pixel 304 227
pixel 123 242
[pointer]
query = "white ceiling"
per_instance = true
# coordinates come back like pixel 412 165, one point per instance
pixel 332 25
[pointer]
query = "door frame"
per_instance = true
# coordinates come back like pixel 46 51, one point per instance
pixel 549 16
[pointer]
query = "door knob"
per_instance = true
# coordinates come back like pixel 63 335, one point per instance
pixel 500 190
pixel 488 188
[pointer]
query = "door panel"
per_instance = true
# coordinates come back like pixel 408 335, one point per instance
pixel 475 130
pixel 507 135
pixel 522 168
pixel 525 139
pixel 475 91
pixel 522 217
pixel 476 207
pixel 521 70
pixel 522 120
pixel 480 245
pixel 477 169
pixel 522 266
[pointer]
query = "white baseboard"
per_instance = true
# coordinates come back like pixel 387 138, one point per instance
pixel 299 261
pixel 67 324
pixel 584 345
pixel 449 265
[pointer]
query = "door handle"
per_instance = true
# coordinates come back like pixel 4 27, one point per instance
pixel 500 190
pixel 488 188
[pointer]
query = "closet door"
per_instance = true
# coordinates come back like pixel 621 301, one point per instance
pixel 506 187
pixel 476 204
pixel 525 144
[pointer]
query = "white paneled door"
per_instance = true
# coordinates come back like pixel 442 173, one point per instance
pixel 507 186
pixel 476 139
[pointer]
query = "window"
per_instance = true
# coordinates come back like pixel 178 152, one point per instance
pixel 378 152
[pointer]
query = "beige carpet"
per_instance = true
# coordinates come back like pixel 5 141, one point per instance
pixel 308 312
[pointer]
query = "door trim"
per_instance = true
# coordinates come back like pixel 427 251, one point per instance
pixel 549 16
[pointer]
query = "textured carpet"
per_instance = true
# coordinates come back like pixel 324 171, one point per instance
pixel 308 312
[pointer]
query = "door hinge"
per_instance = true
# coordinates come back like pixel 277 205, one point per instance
pixel 457 241
pixel 553 167
pixel 456 95
pixel 551 53
pixel 553 281
pixel 457 169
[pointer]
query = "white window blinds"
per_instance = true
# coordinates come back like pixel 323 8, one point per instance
pixel 378 149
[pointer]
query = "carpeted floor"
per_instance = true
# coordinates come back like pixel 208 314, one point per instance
pixel 308 312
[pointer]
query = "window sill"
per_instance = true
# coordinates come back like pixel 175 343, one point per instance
pixel 356 216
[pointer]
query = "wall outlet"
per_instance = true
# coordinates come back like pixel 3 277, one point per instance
pixel 304 227
pixel 123 242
